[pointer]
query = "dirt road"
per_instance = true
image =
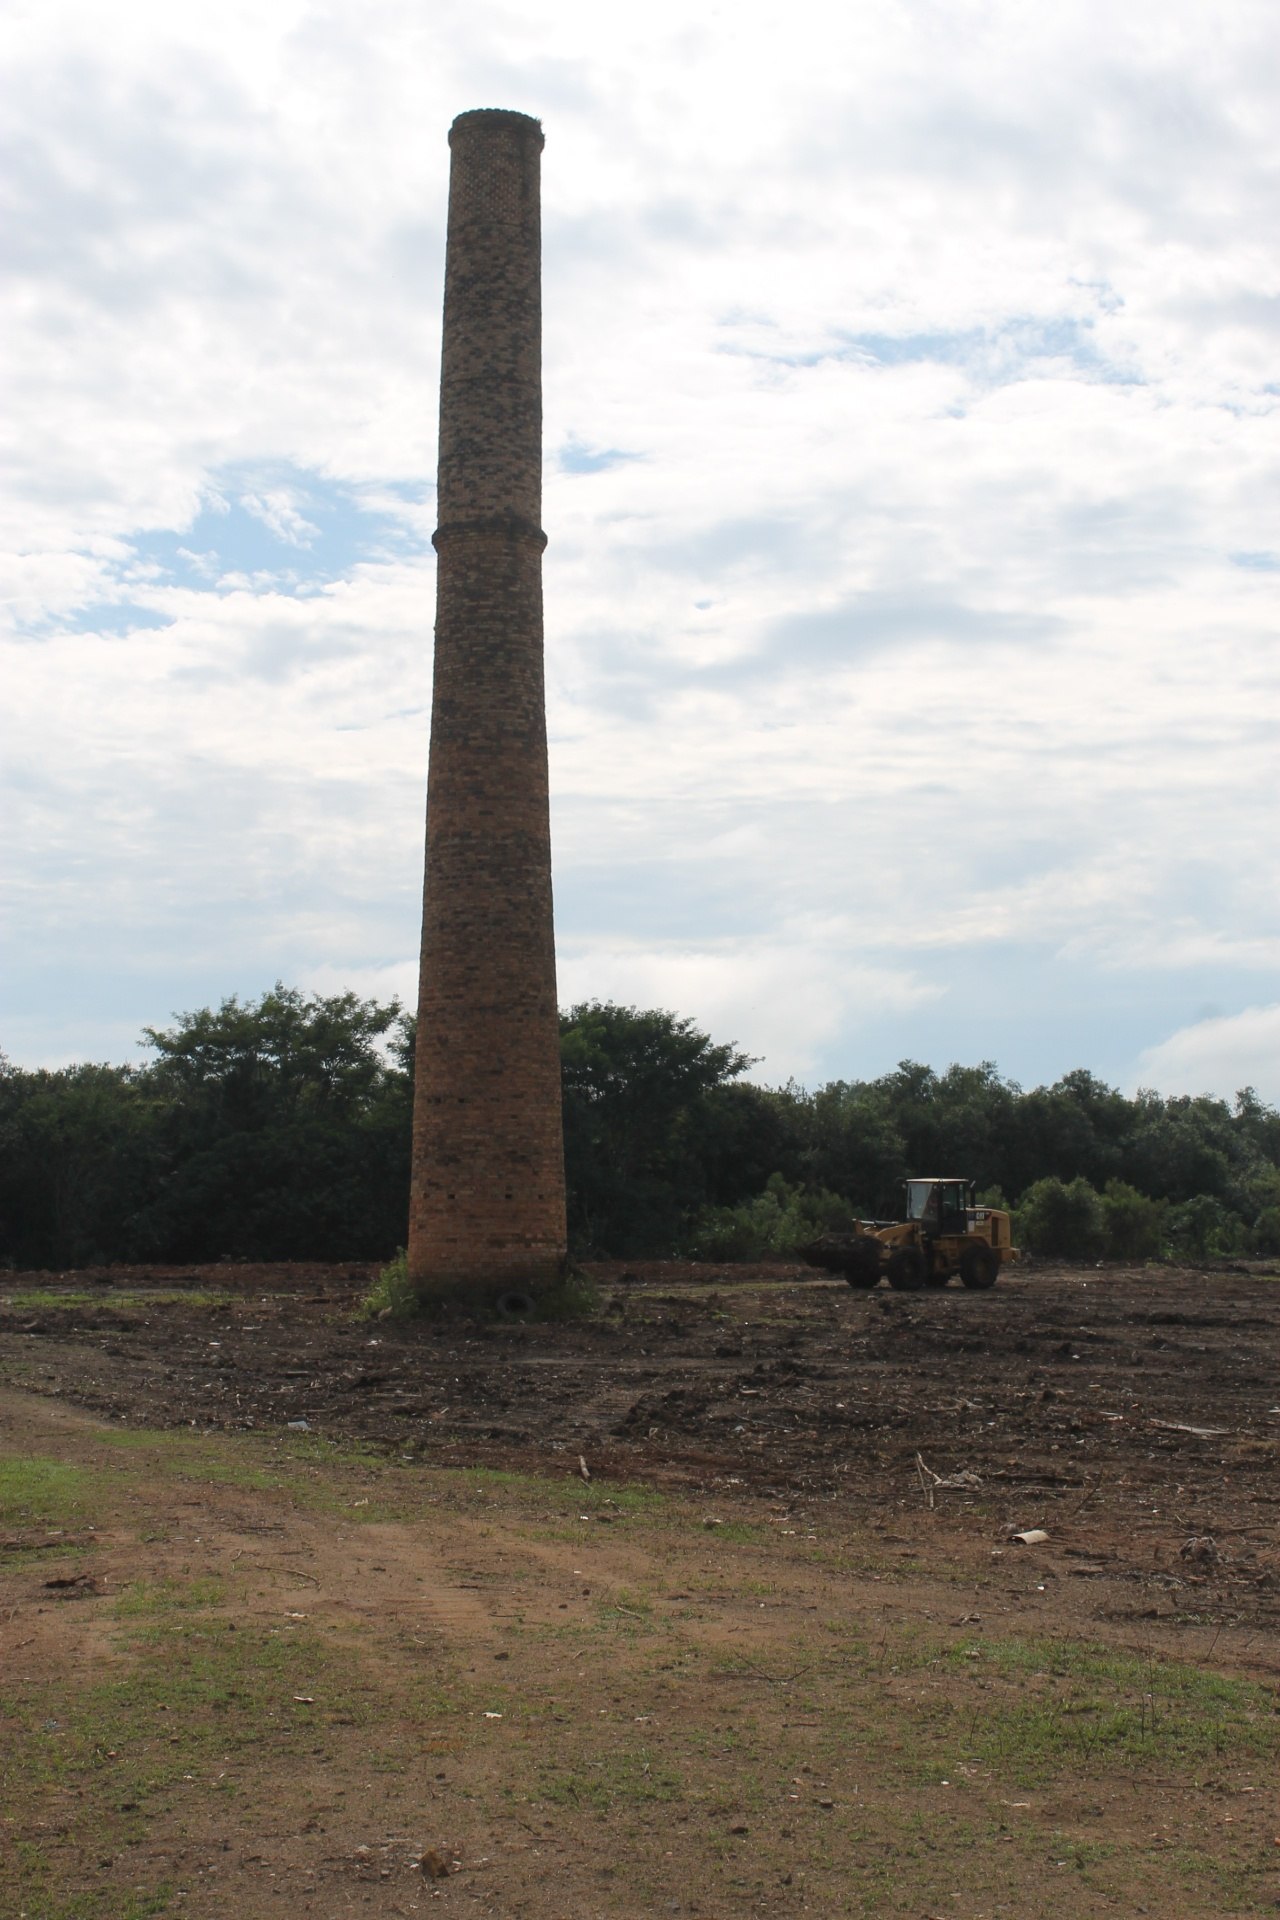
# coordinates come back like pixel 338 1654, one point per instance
pixel 1147 1399
pixel 707 1605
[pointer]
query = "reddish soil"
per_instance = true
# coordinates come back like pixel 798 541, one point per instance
pixel 818 1676
pixel 1145 1402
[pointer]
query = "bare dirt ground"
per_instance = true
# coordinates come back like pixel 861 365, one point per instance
pixel 705 1605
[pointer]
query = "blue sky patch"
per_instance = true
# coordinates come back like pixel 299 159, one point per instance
pixel 996 355
pixel 117 617
pixel 283 526
pixel 575 456
pixel 993 356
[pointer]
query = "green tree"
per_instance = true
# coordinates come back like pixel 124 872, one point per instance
pixel 1259 1125
pixel 78 1152
pixel 777 1222
pixel 637 1117
pixel 286 1129
pixel 1076 1128
pixel 954 1122
pixel 1202 1228
pixel 1264 1235
pixel 741 1136
pixel 853 1146
pixel 280 1128
pixel 1178 1148
pixel 1134 1225
pixel 1061 1219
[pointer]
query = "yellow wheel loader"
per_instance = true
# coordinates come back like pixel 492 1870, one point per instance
pixel 945 1232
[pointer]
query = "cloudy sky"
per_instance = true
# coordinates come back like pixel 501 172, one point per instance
pixel 912 483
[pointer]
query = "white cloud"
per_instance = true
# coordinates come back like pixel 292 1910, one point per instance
pixel 780 1000
pixel 278 512
pixel 397 980
pixel 911 645
pixel 1219 1056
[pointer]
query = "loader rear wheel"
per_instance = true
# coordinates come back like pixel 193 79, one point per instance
pixel 906 1269
pixel 862 1265
pixel 514 1304
pixel 979 1266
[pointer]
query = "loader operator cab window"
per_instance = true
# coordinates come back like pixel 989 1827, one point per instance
pixel 939 1205
pixel 922 1203
pixel 955 1200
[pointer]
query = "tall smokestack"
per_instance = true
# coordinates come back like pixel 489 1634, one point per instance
pixel 487 1202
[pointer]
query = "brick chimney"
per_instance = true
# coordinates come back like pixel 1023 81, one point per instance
pixel 487 1201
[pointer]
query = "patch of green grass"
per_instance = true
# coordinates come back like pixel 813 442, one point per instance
pixel 189 1689
pixel 99 1904
pixel 1082 1854
pixel 1066 1703
pixel 151 1599
pixel 1025 1710
pixel 126 1738
pixel 741 1533
pixel 391 1293
pixel 560 1533
pixel 627 1612
pixel 356 1479
pixel 43 1493
pixel 1238 1886
pixel 36 1299
pixel 606 1781
pixel 572 1298
pixel 1088 1661
pixel 315 1472
pixel 317 1450
pixel 144 1439
pixel 192 1456
pixel 393 1296
pixel 693 1731
pixel 860 1561
pixel 1040 1738
pixel 350 1477
pixel 567 1493
pixel 110 1299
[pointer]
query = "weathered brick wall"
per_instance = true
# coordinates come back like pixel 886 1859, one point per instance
pixel 487 1206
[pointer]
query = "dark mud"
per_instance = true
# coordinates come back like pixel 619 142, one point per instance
pixel 1142 1406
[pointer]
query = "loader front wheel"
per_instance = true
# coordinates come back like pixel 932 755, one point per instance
pixel 906 1269
pixel 979 1266
pixel 862 1266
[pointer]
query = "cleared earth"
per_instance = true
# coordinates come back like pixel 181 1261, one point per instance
pixel 707 1604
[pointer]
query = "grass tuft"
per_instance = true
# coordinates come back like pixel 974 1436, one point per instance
pixel 394 1297
pixel 42 1493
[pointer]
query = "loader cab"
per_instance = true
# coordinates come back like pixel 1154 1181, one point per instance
pixel 940 1206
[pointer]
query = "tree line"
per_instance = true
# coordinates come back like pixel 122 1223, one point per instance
pixel 279 1129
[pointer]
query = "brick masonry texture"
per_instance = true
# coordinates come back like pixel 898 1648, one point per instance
pixel 487 1203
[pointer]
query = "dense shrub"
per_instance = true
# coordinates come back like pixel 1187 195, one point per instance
pixel 1203 1228
pixel 1062 1219
pixel 642 1093
pixel 778 1221
pixel 1133 1224
pixel 1264 1236
pixel 280 1128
